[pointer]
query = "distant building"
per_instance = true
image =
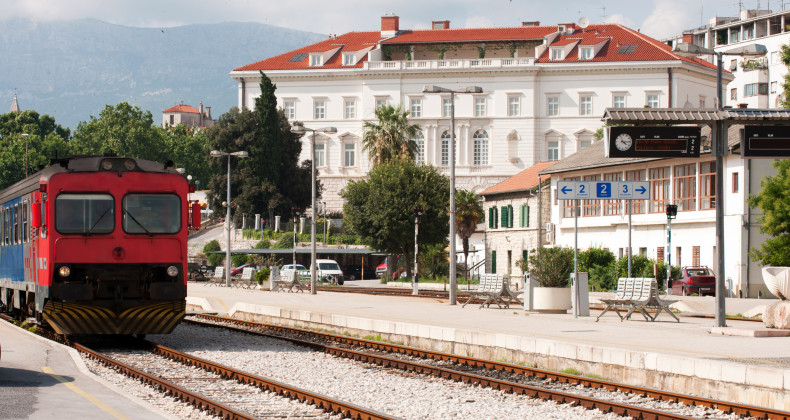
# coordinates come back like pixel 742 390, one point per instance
pixel 758 80
pixel 15 104
pixel 186 115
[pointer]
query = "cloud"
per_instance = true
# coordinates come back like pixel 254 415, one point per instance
pixel 164 91
pixel 669 18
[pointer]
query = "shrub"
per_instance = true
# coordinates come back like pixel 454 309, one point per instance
pixel 239 259
pixel 551 267
pixel 603 278
pixel 213 259
pixel 263 244
pixel 286 241
pixel 262 275
pixel 593 256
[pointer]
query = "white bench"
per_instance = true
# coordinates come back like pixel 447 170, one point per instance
pixel 494 288
pixel 247 279
pixel 289 282
pixel 218 277
pixel 637 294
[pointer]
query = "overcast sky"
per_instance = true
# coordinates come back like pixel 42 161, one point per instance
pixel 657 18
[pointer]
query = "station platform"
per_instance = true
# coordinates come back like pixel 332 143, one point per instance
pixel 735 363
pixel 44 380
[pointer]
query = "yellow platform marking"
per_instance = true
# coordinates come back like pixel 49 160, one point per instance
pixel 84 394
pixel 222 303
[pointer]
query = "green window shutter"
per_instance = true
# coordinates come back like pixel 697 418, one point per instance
pixel 503 217
pixel 509 216
pixel 496 217
pixel 521 216
pixel 493 262
pixel 526 219
pixel 491 217
pixel 525 255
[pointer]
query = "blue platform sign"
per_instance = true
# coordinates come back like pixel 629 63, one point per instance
pixel 603 190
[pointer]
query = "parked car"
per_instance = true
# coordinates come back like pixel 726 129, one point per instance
pixel 238 270
pixel 301 270
pixel 329 272
pixel 355 272
pixel 382 269
pixel 699 280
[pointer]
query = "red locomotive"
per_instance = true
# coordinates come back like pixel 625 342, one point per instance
pixel 97 245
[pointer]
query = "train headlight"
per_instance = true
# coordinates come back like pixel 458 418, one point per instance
pixel 64 271
pixel 106 164
pixel 172 271
pixel 129 164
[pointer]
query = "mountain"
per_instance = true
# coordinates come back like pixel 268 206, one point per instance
pixel 72 69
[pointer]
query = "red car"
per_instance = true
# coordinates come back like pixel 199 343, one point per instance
pixel 238 270
pixel 699 280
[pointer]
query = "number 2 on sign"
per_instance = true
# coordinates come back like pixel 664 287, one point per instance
pixel 581 189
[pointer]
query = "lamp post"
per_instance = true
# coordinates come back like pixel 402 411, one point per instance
pixel 417 216
pixel 672 212
pixel 439 89
pixel 26 136
pixel 217 153
pixel 300 129
pixel 720 150
pixel 295 215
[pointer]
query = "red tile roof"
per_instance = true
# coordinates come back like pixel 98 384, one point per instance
pixel 524 180
pixel 644 48
pixel 182 108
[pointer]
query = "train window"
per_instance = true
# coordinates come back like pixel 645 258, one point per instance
pixel 84 214
pixel 2 226
pixel 151 213
pixel 16 223
pixel 25 218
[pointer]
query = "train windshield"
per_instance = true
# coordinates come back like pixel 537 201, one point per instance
pixel 151 213
pixel 84 214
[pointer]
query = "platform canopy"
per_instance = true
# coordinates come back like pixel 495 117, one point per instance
pixel 728 116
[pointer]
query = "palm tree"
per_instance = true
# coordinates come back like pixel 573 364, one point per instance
pixel 391 137
pixel 468 213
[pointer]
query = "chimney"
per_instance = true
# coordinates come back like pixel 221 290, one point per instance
pixel 208 112
pixel 743 106
pixel 201 107
pixel 688 37
pixel 389 25
pixel 440 24
pixel 531 23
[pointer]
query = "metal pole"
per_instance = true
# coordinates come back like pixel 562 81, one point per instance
pixel 414 290
pixel 313 266
pixel 721 147
pixel 669 253
pixel 453 281
pixel 629 238
pixel 576 258
pixel 293 247
pixel 227 221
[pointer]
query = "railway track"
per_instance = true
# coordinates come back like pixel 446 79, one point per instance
pixel 480 372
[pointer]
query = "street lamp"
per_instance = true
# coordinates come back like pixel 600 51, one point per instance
pixel 300 129
pixel 217 153
pixel 439 89
pixel 26 136
pixel 720 149
pixel 672 212
pixel 417 216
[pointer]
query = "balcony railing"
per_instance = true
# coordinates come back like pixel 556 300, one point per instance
pixel 450 64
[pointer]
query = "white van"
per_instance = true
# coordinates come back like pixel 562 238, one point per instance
pixel 329 272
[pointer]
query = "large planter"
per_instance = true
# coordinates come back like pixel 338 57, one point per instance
pixel 777 280
pixel 555 300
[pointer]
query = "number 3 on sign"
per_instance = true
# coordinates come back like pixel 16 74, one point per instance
pixel 625 188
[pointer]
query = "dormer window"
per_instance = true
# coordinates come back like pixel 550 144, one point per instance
pixel 557 54
pixel 586 53
pixel 316 60
pixel 349 59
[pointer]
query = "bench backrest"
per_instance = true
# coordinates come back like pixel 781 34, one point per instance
pixel 247 273
pixel 644 289
pixel 491 282
pixel 620 292
pixel 219 272
pixel 288 275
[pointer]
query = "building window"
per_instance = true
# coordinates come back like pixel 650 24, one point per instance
pixel 348 154
pixel 734 94
pixel 586 53
pixel 753 89
pixel 447 107
pixel 480 142
pixel 652 100
pixel 316 60
pixel 493 262
pixel 557 54
pixel 445 148
pixel 420 141
pixel 659 189
pixel 480 107
pixel 553 148
pixel 637 206
pixel 492 217
pixel 350 109
pixel 677 257
pixel 702 102
pixel 349 59
pixel 685 187
pixel 773 87
pixel 707 185
pixel 591 208
pixel 567 205
pixel 619 101
pixel 172 119
pixel 506 216
pixel 319 110
pixel 513 106
pixel 612 207
pixel 524 217
pixel 695 256
pixel 585 141
pixel 735 182
pixel 416 108
pixel 585 105
pixel 553 106
pixel 320 155
pixel 735 36
pixel 380 102
pixel 289 107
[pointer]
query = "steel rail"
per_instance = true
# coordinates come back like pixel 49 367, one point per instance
pixel 507 386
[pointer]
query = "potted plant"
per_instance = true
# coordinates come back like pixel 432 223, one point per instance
pixel 551 268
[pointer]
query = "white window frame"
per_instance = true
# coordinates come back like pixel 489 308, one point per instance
pixel 649 96
pixel 289 108
pixel 349 155
pixel 320 155
pixel 444 139
pixel 319 109
pixel 553 151
pixel 446 106
pixel 585 104
pixel 556 53
pixel 702 101
pixel 316 60
pixel 415 107
pixel 349 108
pixel 480 106
pixel 773 86
pixel 381 101
pixel 553 105
pixel 419 139
pixel 586 53
pixel 514 105
pixel 481 144
pixel 349 59
pixel 621 101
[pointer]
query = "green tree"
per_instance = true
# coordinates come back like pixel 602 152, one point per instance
pixel 379 209
pixel 775 220
pixel 468 213
pixel 785 55
pixel 123 129
pixel 188 148
pixel 595 256
pixel 46 140
pixel 212 246
pixel 391 137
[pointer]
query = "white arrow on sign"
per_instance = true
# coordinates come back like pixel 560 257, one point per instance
pixel 603 190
